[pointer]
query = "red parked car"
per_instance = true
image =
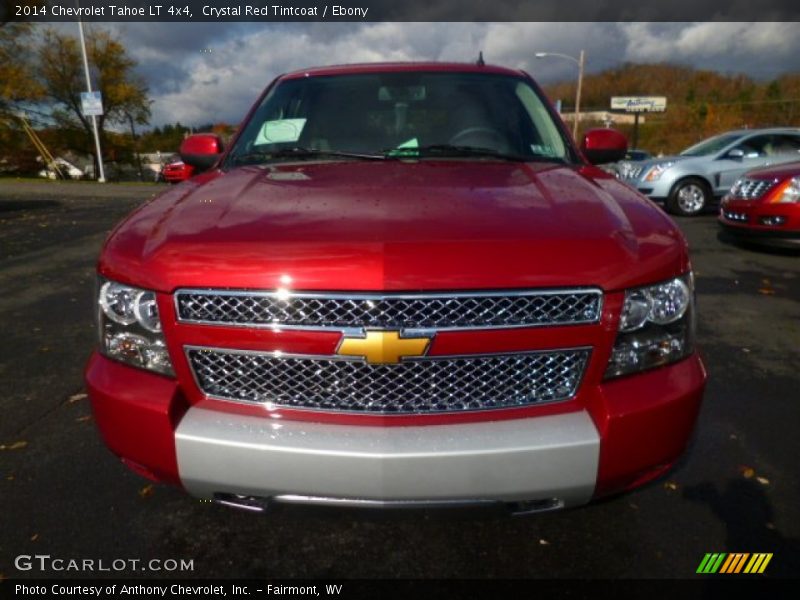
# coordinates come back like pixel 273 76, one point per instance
pixel 401 285
pixel 176 170
pixel 764 207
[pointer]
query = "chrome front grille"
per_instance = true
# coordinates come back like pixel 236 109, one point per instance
pixel 423 385
pixel 630 171
pixel 751 189
pixel 390 311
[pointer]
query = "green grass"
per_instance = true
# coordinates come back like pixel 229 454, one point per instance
pixel 46 180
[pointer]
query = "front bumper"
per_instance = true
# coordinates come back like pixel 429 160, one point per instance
pixel 655 190
pixel 628 431
pixel 745 220
pixel 762 235
pixel 552 457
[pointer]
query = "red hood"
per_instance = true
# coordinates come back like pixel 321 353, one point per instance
pixel 396 226
pixel 776 172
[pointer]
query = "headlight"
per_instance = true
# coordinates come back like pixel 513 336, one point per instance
pixel 129 327
pixel 656 327
pixel 660 304
pixel 788 191
pixel 655 172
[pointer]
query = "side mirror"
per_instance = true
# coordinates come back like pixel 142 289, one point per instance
pixel 201 150
pixel 736 154
pixel 604 146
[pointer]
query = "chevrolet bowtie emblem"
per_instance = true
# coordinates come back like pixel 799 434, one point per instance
pixel 383 347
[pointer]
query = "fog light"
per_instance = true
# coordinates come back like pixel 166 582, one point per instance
pixel 773 220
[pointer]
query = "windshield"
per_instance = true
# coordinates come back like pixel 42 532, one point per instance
pixel 401 114
pixel 712 145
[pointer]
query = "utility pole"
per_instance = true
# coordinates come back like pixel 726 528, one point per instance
pixel 580 61
pixel 578 97
pixel 136 147
pixel 101 173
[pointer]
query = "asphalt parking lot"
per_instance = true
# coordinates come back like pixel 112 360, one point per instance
pixel 63 494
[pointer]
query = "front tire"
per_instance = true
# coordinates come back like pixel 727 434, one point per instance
pixel 689 197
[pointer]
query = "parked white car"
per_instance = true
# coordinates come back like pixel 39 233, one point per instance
pixel 689 182
pixel 66 168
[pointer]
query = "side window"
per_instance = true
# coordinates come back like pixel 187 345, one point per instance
pixel 786 144
pixel 756 146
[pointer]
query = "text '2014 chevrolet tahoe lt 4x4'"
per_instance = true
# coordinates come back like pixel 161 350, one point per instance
pixel 401 285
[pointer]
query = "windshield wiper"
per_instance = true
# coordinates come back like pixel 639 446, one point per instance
pixel 449 150
pixel 299 153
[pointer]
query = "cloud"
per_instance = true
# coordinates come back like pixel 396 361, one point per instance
pixel 760 49
pixel 190 84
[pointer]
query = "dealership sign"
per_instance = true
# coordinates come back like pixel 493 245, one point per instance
pixel 91 104
pixel 639 104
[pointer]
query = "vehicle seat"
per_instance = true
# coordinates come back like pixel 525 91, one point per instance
pixel 469 114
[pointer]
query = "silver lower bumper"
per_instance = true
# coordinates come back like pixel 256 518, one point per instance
pixel 553 457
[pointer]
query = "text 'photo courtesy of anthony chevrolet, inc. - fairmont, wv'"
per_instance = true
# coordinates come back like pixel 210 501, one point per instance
pixel 398 299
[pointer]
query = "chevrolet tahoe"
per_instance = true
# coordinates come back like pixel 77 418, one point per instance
pixel 398 285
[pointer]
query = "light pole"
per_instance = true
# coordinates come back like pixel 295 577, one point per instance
pixel 101 174
pixel 580 62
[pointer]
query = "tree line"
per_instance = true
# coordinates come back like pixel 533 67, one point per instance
pixel 700 103
pixel 41 79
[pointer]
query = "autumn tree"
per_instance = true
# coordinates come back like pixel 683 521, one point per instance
pixel 17 81
pixel 19 89
pixel 700 103
pixel 125 96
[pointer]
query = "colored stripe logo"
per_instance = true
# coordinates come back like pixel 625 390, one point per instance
pixel 735 562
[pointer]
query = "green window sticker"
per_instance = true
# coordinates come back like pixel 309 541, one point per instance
pixel 280 131
pixel 407 148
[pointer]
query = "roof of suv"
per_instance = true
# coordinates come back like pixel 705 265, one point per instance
pixel 387 67
pixel 763 130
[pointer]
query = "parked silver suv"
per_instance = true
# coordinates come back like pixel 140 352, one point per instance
pixel 688 182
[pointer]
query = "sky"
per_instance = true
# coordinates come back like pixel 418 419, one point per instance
pixel 210 72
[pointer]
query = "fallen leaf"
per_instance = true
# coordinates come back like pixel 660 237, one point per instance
pixel 747 350
pixel 762 480
pixel 15 446
pixel 747 472
pixel 34 537
pixel 765 281
pixel 733 436
pixel 83 419
pixel 76 397
pixel 766 291
pixel 670 485
pixel 633 506
pixel 10 478
pixel 146 491
pixel 544 543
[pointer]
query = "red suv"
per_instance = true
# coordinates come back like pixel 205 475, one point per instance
pixel 764 207
pixel 401 285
